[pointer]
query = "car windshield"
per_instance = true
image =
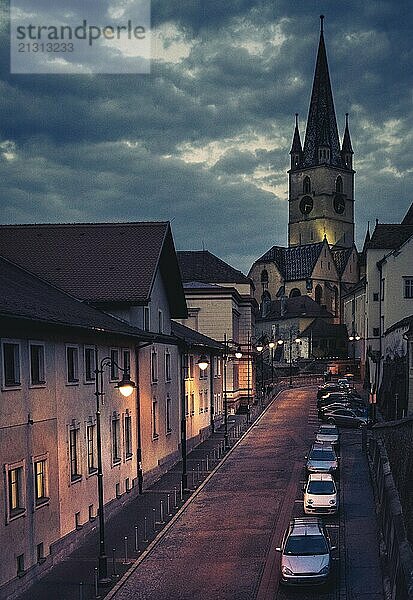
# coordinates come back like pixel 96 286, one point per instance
pixel 322 455
pixel 328 431
pixel 321 487
pixel 305 545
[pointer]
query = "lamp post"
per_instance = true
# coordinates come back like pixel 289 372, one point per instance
pixel 271 347
pixel 126 387
pixel 290 356
pixel 354 337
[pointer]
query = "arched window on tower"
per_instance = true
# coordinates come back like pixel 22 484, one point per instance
pixel 307 185
pixel 318 293
pixel 295 292
pixel 339 185
pixel 335 300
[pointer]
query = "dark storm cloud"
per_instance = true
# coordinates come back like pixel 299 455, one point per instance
pixel 204 139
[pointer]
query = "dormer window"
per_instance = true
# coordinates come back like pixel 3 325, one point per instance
pixel 307 185
pixel 324 155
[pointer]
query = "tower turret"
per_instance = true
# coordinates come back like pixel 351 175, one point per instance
pixel 347 150
pixel 296 151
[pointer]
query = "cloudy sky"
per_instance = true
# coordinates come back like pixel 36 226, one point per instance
pixel 204 139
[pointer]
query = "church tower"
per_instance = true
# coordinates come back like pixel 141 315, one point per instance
pixel 321 176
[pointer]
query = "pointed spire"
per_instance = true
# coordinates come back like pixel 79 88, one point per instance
pixel 321 123
pixel 346 139
pixel 296 151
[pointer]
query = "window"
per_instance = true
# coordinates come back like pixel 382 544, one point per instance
pixel 186 404
pixel 168 414
pixel 114 361
pixel 15 484
pixel 192 404
pixel 190 366
pixel 408 287
pixel 20 565
pixel 167 365
pixel 155 419
pixel 154 365
pixel 205 400
pixel 375 297
pixel 160 321
pixel 146 318
pixel 91 447
pixel 11 364
pixel 126 361
pixel 40 481
pixel 306 185
pixel 128 435
pixel 217 366
pixel 329 265
pixel 74 454
pixel 339 185
pixel 201 401
pixel 89 364
pixel 91 512
pixel 382 288
pixel 376 331
pixel 72 364
pixel 115 438
pixel 40 552
pixel 37 376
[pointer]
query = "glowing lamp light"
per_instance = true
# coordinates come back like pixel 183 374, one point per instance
pixel 260 347
pixel 238 353
pixel 126 386
pixel 203 362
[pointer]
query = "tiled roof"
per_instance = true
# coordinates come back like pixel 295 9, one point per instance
pixel 389 236
pixel 99 262
pixel 190 336
pixel 321 122
pixel 25 296
pixel 408 217
pixel 202 266
pixel 321 328
pixel 294 263
pixel 341 256
pixel 297 306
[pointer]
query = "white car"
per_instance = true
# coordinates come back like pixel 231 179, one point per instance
pixel 321 459
pixel 328 433
pixel 320 494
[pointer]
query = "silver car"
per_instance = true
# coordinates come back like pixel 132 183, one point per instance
pixel 305 553
pixel 322 459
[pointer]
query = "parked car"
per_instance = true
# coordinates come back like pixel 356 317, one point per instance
pixel 339 397
pixel 345 417
pixel 305 553
pixel 328 433
pixel 321 459
pixel 320 494
pixel 328 387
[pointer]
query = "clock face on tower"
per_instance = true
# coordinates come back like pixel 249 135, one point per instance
pixel 339 204
pixel 306 205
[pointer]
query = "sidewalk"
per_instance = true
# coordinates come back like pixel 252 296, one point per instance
pixel 361 576
pixel 129 531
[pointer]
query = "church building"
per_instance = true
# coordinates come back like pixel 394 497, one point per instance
pixel 321 260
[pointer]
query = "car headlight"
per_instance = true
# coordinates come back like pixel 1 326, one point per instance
pixel 286 571
pixel 324 570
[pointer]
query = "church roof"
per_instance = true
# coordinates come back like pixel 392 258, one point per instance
pixel 296 147
pixel 294 263
pixel 347 147
pixel 322 328
pixel 321 123
pixel 389 236
pixel 340 257
pixel 101 263
pixel 202 266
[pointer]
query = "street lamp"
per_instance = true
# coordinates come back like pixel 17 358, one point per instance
pixel 126 387
pixel 271 347
pixel 354 337
pixel 203 362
